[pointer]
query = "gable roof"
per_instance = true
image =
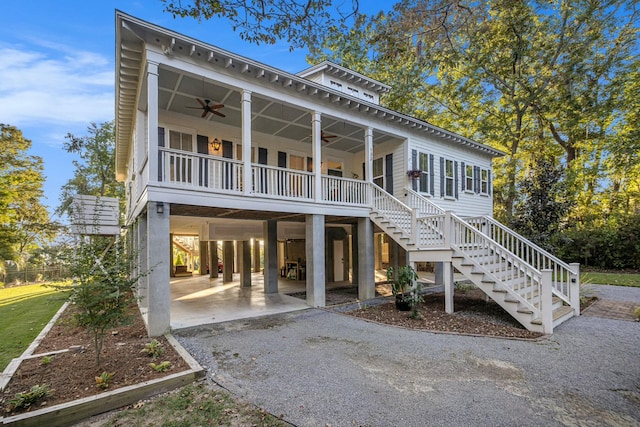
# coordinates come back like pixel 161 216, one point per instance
pixel 346 74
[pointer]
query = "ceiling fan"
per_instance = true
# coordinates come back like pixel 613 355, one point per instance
pixel 325 138
pixel 206 108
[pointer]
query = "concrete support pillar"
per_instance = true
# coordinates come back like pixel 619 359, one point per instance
pixel 270 234
pixel 172 272
pixel 256 256
pixel 227 261
pixel 354 253
pixel 158 249
pixel 213 259
pixel 366 271
pixel 315 251
pixel 143 265
pixel 447 272
pixel 347 258
pixel 247 189
pixel 244 263
pixel 203 258
pixel 574 288
pixel 377 242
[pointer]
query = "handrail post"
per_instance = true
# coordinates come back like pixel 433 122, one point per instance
pixel 574 288
pixel 546 303
pixel 413 238
pixel 447 229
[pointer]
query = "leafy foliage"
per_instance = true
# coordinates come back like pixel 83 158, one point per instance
pixel 153 349
pixel 161 367
pixel 94 173
pixel 299 22
pixel 24 221
pixel 24 400
pixel 103 380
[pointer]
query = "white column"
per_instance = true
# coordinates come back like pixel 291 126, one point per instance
pixel 316 143
pixel 158 248
pixel 574 288
pixel 546 301
pixel 152 120
pixel 315 263
pixel 247 187
pixel 448 286
pixel 368 154
pixel 366 268
pixel 141 248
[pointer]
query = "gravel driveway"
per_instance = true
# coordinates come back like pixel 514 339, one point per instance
pixel 320 368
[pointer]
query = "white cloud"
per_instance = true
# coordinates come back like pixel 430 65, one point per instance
pixel 54 85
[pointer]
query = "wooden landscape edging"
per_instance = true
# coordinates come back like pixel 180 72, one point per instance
pixel 78 410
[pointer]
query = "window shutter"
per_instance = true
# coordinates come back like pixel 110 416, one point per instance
pixel 203 169
pixel 282 159
pixel 160 137
pixel 262 159
pixel 389 173
pixel 414 166
pixel 489 181
pixel 431 176
pixel 441 176
pixel 455 178
pixel 262 156
pixel 463 176
pixel 364 174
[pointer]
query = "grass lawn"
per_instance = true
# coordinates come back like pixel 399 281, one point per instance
pixel 24 311
pixel 618 279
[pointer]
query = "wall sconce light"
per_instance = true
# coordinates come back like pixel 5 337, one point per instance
pixel 215 144
pixel 160 207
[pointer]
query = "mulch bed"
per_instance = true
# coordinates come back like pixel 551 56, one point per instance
pixel 72 375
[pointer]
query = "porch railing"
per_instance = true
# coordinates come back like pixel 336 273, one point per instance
pixel 344 190
pixel 282 183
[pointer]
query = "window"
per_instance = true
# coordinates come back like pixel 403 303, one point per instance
pixel 449 179
pixel 468 177
pixel 180 141
pixel 423 165
pixel 336 85
pixel 352 91
pixel 367 96
pixel 484 181
pixel 334 168
pixel 378 172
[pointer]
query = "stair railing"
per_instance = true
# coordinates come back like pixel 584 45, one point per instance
pixel 396 212
pixel 480 248
pixel 565 277
pixel 424 206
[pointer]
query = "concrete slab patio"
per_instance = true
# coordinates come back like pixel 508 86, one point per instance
pixel 317 368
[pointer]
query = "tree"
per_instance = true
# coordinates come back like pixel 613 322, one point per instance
pixel 299 22
pixel 524 77
pixel 24 221
pixel 94 173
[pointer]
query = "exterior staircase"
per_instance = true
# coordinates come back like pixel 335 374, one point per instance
pixel 539 290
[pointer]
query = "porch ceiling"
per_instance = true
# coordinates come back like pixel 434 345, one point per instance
pixel 179 90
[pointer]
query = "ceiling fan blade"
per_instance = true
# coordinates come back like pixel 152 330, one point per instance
pixel 216 106
pixel 195 108
pixel 218 113
pixel 204 113
pixel 200 102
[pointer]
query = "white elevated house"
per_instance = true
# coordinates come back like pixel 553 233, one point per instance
pixel 332 183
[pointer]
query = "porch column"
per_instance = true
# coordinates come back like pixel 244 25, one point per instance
pixel 355 252
pixel 366 270
pixel 143 265
pixel 213 259
pixel 247 180
pixel 448 286
pixel 244 263
pixel 203 258
pixel 158 248
pixel 152 121
pixel 368 155
pixel 227 261
pixel 256 256
pixel 270 234
pixel 316 145
pixel 315 263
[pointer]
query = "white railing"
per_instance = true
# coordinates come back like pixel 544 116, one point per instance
pixel 526 281
pixel 565 277
pixel 192 170
pixel 399 214
pixel 282 183
pixel 344 191
pixel 424 206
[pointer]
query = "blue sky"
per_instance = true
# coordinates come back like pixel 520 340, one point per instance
pixel 57 68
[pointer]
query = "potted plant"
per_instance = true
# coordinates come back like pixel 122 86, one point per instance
pixel 404 279
pixel 414 173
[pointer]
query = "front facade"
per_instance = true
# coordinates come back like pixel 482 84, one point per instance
pixel 214 145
